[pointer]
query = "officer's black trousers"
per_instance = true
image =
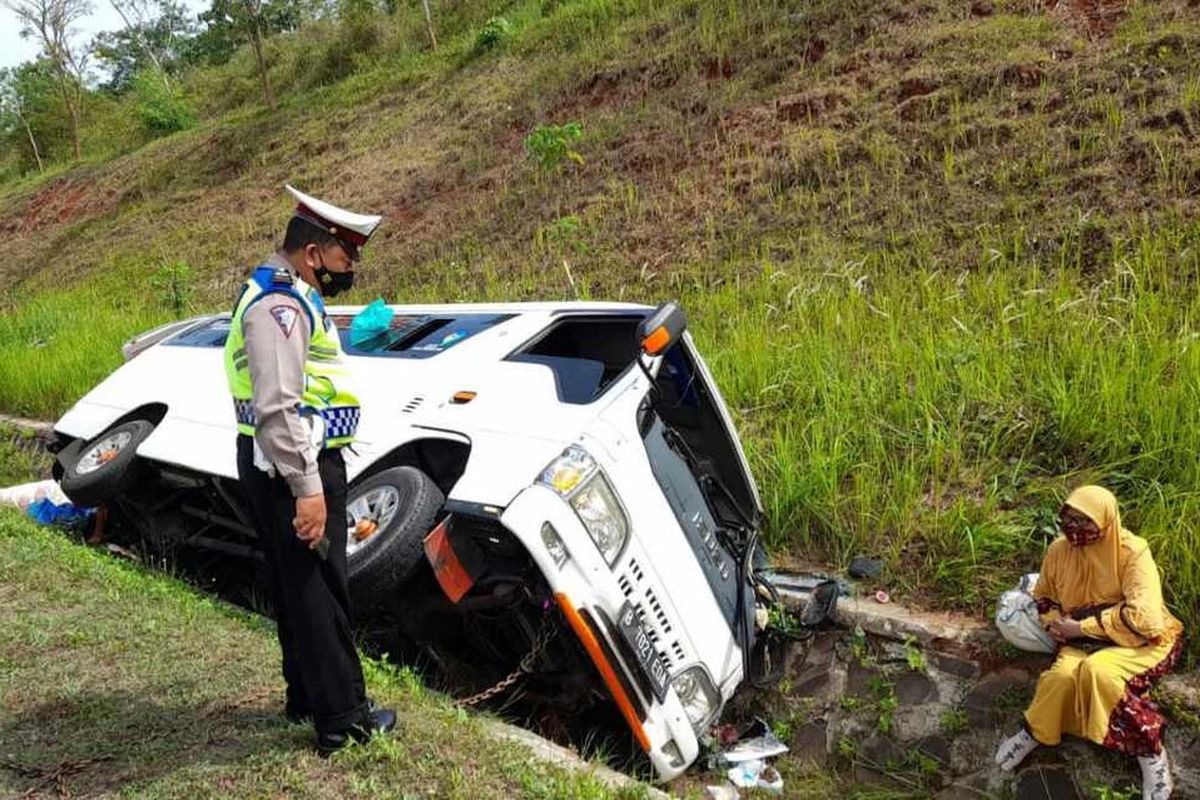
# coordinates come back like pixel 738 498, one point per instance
pixel 312 602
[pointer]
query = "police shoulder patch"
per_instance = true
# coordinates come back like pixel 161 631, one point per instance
pixel 285 317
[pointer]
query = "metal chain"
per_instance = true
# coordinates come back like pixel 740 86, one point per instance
pixel 525 666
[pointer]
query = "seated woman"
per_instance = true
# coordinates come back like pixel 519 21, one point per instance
pixel 1100 598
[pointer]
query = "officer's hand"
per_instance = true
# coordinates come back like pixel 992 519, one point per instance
pixel 310 518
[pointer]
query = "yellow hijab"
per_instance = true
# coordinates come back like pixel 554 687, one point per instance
pixel 1090 574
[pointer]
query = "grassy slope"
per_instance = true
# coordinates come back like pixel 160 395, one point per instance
pixel 943 264
pixel 116 680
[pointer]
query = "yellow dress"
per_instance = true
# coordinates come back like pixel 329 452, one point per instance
pixel 1097 690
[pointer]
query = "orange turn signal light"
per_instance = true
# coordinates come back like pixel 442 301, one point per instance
pixel 657 341
pixel 590 643
pixel 462 397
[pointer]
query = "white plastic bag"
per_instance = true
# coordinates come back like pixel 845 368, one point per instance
pixel 1017 618
pixel 21 496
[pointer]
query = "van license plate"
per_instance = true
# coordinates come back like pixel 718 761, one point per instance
pixel 643 649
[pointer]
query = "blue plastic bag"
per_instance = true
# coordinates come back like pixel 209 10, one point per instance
pixel 46 512
pixel 372 321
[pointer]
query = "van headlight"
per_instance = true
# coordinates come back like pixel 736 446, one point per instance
pixel 577 477
pixel 698 695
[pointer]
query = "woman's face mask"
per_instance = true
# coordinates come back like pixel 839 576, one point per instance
pixel 1078 527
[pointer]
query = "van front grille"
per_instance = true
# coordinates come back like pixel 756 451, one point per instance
pixel 632 582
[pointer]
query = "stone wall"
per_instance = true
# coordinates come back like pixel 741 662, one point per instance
pixel 914 701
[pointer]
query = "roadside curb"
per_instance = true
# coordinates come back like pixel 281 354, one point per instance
pixel 932 628
pixel 41 429
pixel 936 629
pixel 548 751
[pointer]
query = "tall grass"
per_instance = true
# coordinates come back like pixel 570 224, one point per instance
pixel 56 346
pixel 939 417
pixel 934 417
pixel 937 293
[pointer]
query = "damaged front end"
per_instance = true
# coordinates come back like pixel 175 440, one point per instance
pixel 634 549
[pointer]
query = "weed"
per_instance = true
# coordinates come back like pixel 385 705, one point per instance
pixel 1007 651
pixel 847 747
pixel 1012 700
pixel 495 33
pixel 1101 791
pixel 886 703
pixel 914 656
pixel 953 721
pixel 782 728
pixel 22 458
pixel 784 620
pixel 550 146
pixel 174 285
pixel 1178 709
pixel 860 648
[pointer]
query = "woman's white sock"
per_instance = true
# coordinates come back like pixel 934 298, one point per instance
pixel 1012 751
pixel 1156 777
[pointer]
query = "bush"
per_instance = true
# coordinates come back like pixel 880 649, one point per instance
pixel 550 145
pixel 494 33
pixel 161 105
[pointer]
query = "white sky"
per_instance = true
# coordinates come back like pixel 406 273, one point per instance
pixel 14 49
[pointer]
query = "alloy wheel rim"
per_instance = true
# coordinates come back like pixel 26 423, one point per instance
pixel 376 506
pixel 103 451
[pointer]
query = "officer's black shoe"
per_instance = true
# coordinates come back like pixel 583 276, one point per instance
pixel 378 719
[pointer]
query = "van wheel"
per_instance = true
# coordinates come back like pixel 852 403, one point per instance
pixel 106 465
pixel 387 518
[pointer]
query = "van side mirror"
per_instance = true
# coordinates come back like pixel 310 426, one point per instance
pixel 662 328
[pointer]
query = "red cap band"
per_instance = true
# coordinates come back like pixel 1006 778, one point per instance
pixel 345 234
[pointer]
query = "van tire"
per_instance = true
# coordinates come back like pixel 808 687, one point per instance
pixel 91 478
pixel 377 568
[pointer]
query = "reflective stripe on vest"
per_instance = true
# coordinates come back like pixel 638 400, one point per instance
pixel 326 394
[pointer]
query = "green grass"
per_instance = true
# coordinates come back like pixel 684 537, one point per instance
pixel 943 266
pixel 114 679
pixel 22 457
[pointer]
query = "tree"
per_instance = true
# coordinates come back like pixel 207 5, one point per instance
pixel 156 37
pixel 249 21
pixel 33 122
pixel 52 22
pixel 14 109
pixel 429 24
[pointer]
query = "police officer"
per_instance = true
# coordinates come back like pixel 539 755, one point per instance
pixel 295 413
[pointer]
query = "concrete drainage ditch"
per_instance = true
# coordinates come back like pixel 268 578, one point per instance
pixel 917 703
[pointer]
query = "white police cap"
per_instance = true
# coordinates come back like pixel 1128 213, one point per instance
pixel 348 227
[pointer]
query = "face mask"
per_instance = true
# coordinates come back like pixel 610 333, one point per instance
pixel 1080 533
pixel 333 283
pixel 1081 537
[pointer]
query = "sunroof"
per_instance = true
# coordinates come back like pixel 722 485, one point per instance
pixel 416 336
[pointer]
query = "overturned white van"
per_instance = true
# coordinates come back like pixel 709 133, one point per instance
pixel 558 485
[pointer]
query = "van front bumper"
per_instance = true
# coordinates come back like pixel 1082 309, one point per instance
pixel 588 594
